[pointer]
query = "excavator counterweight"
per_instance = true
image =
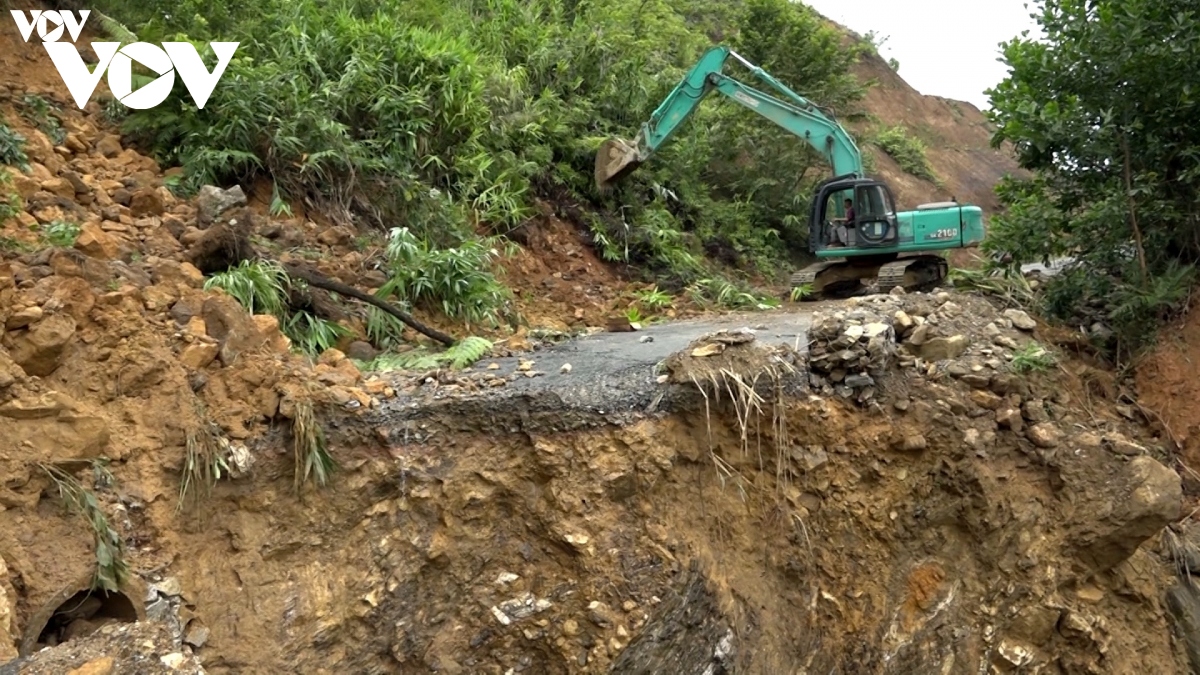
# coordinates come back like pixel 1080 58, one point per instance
pixel 877 243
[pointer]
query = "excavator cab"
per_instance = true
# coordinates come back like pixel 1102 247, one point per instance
pixel 875 222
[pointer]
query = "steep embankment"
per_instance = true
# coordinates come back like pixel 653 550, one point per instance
pixel 963 516
pixel 1168 388
pixel 956 135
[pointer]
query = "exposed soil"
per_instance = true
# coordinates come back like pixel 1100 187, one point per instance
pixel 892 497
pixel 1169 390
pixel 950 527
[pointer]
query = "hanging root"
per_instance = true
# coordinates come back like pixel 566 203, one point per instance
pixel 730 362
pixel 204 463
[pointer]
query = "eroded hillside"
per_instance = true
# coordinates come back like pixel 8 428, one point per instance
pixel 912 483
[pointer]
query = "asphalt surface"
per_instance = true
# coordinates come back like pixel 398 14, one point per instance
pixel 610 373
pixel 594 355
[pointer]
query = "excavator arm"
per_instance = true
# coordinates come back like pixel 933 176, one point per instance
pixel 617 158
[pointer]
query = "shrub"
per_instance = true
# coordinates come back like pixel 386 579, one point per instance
pixel 909 152
pixel 12 148
pixel 496 103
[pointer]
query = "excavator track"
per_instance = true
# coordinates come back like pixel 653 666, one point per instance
pixel 915 273
pixel 918 273
pixel 808 275
pixel 834 276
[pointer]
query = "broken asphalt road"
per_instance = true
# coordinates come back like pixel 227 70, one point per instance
pixel 610 372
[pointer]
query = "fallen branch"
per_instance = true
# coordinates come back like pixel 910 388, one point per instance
pixel 313 278
pixel 224 246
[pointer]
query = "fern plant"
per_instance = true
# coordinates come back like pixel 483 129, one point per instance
pixel 463 353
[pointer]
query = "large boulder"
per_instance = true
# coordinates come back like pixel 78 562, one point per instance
pixel 41 349
pixel 213 201
pixel 1142 500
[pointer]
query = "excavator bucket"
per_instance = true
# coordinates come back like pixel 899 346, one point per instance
pixel 615 160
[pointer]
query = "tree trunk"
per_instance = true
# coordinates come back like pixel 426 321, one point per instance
pixel 313 278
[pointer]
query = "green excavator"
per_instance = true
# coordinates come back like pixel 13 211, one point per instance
pixel 894 248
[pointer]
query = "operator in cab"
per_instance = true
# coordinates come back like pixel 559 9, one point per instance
pixel 841 230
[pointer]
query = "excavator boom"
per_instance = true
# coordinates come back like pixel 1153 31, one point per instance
pixel 617 158
pixel 893 248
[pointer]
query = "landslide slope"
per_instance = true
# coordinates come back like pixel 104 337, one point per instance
pixel 956 135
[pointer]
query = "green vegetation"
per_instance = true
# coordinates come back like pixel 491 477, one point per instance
pixel 720 292
pixel 12 148
pixel 60 233
pixel 907 150
pixel 111 567
pixel 204 463
pixel 464 353
pixel 10 201
pixel 1033 358
pixel 314 464
pixel 262 287
pixel 1102 114
pixel 444 120
pixel 456 280
pixel 45 115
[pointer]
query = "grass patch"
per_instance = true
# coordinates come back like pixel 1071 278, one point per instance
pixel 722 293
pixel 263 287
pixel 908 151
pixel 112 570
pixel 1033 358
pixel 313 463
pixel 204 464
pixel 1010 286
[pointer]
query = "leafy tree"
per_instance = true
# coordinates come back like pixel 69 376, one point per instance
pixel 1103 110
